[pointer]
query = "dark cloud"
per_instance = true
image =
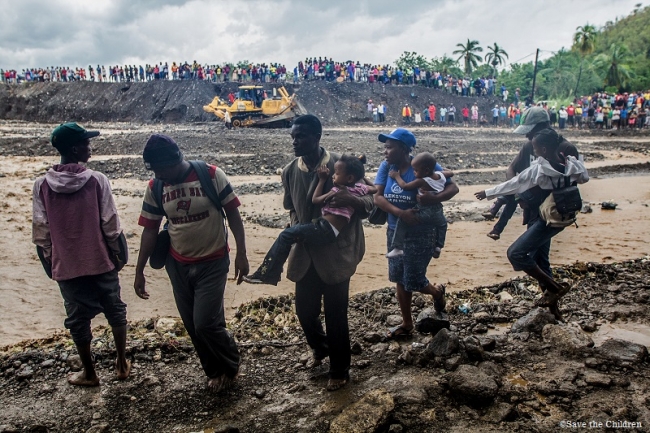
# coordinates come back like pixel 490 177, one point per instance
pixel 69 32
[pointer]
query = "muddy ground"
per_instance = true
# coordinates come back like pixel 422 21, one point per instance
pixel 530 378
pixel 484 374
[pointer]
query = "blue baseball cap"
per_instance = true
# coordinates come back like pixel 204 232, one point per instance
pixel 400 134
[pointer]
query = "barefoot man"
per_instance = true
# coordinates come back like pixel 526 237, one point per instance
pixel 76 230
pixel 197 260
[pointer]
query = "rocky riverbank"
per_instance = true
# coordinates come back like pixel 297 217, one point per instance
pixel 501 365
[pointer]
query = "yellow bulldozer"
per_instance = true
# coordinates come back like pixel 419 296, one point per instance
pixel 254 107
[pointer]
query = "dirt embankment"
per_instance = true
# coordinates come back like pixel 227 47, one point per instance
pixel 183 101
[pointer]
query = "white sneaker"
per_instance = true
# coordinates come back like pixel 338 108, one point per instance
pixel 395 252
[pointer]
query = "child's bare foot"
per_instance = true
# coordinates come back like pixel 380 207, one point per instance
pixel 123 368
pixel 82 379
pixel 215 384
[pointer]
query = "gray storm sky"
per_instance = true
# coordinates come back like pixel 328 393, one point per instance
pixel 36 33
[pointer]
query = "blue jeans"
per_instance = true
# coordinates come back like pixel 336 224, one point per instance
pixel 427 215
pixel 317 233
pixel 533 246
pixel 508 211
pixel 410 269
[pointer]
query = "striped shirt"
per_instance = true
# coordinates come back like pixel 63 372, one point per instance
pixel 196 227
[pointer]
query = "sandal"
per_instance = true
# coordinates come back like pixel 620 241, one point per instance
pixel 399 331
pixel 440 303
pixel 494 236
pixel 336 384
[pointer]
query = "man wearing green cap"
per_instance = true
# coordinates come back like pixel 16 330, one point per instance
pixel 77 231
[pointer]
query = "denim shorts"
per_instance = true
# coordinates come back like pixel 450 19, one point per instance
pixel 410 269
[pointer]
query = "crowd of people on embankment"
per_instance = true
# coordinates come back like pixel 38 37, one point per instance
pixel 308 70
pixel 598 111
pixel 327 196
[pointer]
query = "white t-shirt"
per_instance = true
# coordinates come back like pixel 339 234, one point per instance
pixel 436 185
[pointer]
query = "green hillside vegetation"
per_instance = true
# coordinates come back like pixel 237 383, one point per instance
pixel 614 58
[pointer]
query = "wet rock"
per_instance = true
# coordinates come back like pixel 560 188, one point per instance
pixel 488 343
pixel 480 328
pixel 551 387
pixel 622 352
pixel 473 348
pixel 505 296
pixel 430 322
pixel 444 343
pixel 365 415
pixel 589 326
pixel 472 385
pixel 25 373
pixel 453 362
pixel 566 337
pixel 394 320
pixel 533 322
pixel 167 324
pixel 74 363
pixel 372 337
pixel 48 363
pixel 501 412
pixel 597 379
pixel 356 348
pixel 259 393
pixel 491 369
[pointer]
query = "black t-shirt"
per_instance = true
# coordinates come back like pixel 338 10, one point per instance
pixel 534 197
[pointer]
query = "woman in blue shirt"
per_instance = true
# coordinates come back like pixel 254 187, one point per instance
pixel 408 271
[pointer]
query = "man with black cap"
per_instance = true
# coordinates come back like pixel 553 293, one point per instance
pixel 533 121
pixel 76 229
pixel 197 261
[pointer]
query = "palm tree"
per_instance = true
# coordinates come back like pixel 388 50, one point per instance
pixel 558 75
pixel 495 57
pixel 468 54
pixel 445 64
pixel 584 43
pixel 615 67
